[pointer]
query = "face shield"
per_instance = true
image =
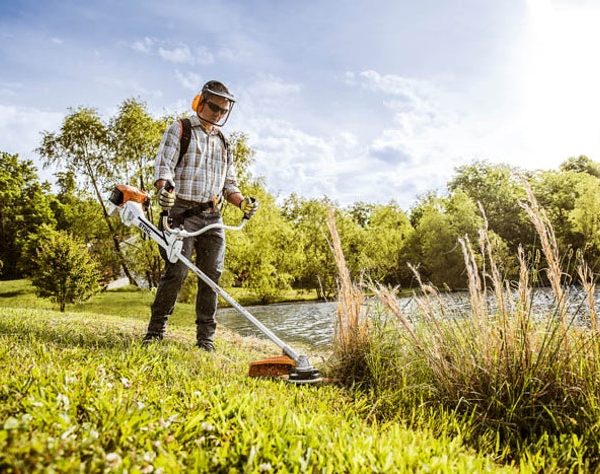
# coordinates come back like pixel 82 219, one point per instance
pixel 215 109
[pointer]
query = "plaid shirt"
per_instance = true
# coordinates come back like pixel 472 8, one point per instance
pixel 204 172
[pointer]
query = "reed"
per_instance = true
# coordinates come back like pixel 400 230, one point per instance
pixel 526 380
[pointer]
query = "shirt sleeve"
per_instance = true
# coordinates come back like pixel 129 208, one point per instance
pixel 231 184
pixel 168 153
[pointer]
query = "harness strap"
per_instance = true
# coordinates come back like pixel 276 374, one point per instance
pixel 185 136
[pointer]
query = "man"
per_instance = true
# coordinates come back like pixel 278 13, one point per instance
pixel 191 187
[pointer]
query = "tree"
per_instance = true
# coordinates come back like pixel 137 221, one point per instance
pixel 557 193
pixel 585 220
pixel 317 269
pixel 243 156
pixel 265 256
pixel 135 136
pixel 66 273
pixel 361 212
pixel 435 247
pixel 83 146
pixel 386 235
pixel 581 164
pixel 24 207
pixel 499 189
pixel 80 214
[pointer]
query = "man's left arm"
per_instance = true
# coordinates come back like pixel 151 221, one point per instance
pixel 232 192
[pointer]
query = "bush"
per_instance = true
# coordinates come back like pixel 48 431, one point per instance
pixel 65 271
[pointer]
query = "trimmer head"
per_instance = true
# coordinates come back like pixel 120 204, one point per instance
pixel 286 368
pixel 272 367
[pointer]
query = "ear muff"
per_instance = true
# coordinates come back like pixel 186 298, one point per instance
pixel 197 102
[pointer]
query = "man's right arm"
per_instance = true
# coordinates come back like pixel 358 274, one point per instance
pixel 167 155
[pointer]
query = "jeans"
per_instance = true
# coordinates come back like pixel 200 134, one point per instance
pixel 210 255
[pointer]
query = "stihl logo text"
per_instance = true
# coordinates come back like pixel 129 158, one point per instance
pixel 145 228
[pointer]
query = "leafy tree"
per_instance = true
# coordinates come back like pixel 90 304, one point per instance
pixel 83 146
pixel 424 203
pixel 499 189
pixel 361 212
pixel 558 192
pixel 66 273
pixel 581 164
pixel 435 241
pixel 143 259
pixel 386 235
pixel 585 220
pixel 135 136
pixel 24 207
pixel 79 213
pixel 308 219
pixel 265 256
pixel 243 156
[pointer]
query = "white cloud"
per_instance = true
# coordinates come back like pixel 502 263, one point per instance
pixel 179 54
pixel 129 86
pixel 10 88
pixel 203 56
pixel 268 94
pixel 271 86
pixel 57 40
pixel 144 45
pixel 425 127
pixel 189 80
pixel 20 131
pixel 292 160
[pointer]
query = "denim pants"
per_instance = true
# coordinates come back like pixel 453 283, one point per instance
pixel 210 254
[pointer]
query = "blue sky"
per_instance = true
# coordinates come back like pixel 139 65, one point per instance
pixel 357 100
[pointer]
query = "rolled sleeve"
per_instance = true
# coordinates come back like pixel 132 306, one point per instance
pixel 168 153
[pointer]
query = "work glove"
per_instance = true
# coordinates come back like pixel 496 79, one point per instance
pixel 249 206
pixel 166 196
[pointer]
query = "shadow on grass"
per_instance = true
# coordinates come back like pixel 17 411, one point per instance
pixel 14 293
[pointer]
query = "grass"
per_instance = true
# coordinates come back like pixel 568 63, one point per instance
pixel 522 386
pixel 79 394
pixel 127 302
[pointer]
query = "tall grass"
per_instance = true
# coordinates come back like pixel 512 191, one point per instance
pixel 522 383
pixel 351 334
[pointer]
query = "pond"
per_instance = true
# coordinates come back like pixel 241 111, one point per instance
pixel 312 324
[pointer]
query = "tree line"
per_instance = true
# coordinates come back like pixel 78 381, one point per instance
pixel 286 244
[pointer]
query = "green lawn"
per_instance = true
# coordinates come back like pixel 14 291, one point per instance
pixel 79 394
pixel 127 302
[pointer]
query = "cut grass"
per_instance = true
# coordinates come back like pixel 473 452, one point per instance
pixel 80 394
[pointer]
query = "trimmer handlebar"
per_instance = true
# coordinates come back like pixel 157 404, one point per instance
pixel 182 233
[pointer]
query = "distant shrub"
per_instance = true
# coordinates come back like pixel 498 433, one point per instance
pixel 65 271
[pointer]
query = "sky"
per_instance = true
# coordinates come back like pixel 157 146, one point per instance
pixel 370 101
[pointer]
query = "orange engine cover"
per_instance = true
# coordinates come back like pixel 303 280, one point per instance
pixel 124 193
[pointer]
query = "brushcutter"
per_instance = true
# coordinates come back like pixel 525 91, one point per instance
pixel 130 203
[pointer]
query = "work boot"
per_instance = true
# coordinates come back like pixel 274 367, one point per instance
pixel 149 338
pixel 207 346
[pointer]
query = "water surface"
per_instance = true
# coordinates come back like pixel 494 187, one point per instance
pixel 312 324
